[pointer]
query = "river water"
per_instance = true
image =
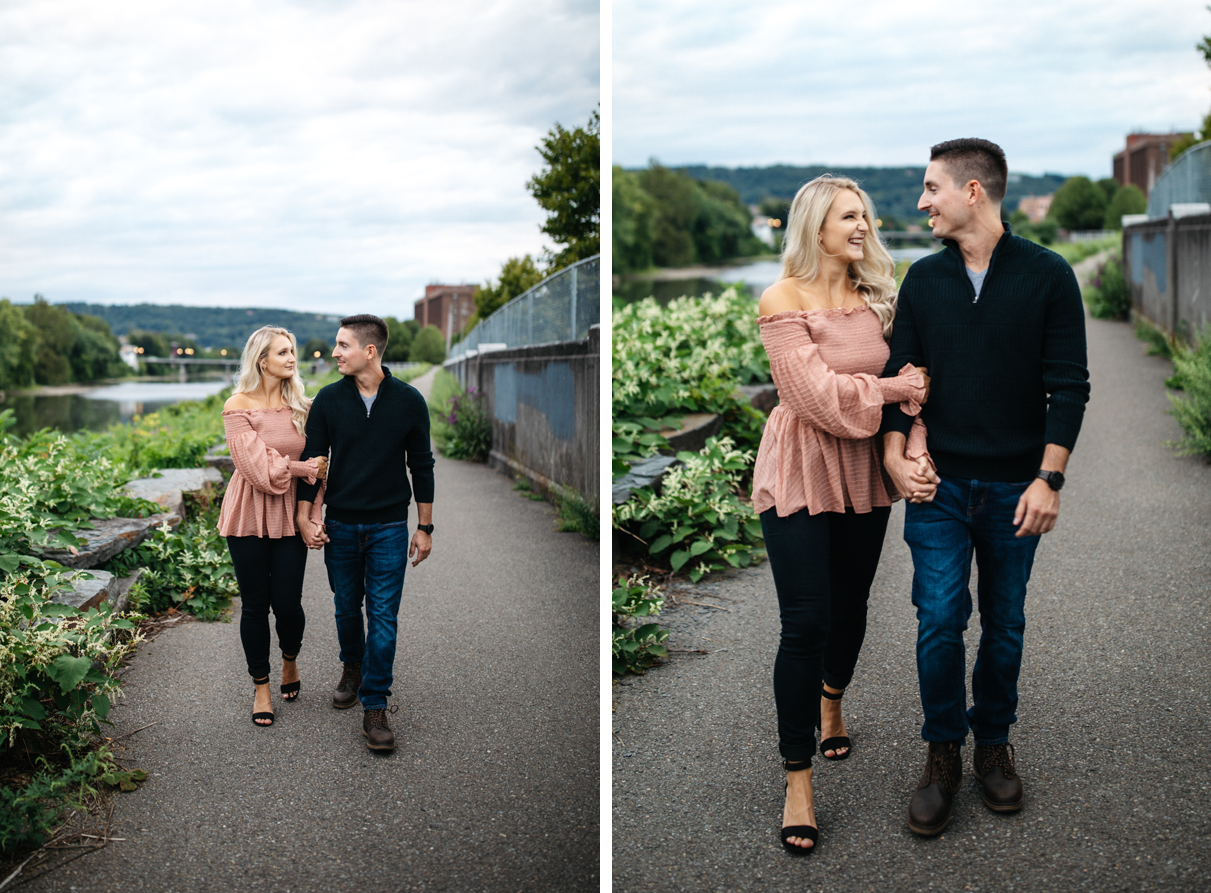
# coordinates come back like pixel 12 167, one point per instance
pixel 96 409
pixel 756 276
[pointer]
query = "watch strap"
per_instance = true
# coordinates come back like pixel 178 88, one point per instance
pixel 427 528
pixel 1054 479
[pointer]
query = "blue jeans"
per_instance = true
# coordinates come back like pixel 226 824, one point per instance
pixel 967 516
pixel 366 563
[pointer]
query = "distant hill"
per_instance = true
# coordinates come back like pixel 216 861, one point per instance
pixel 894 190
pixel 211 327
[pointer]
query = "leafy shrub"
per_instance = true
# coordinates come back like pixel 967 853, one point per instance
pixel 1156 342
pixel 56 671
pixel 177 436
pixel 470 428
pixel 1192 373
pixel 188 568
pixel 698 519
pixel 687 357
pixel 1109 295
pixel 636 649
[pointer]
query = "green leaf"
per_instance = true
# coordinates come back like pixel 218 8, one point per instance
pixel 9 562
pixel 32 708
pixel 679 558
pixel 699 547
pixel 101 705
pixel 68 671
pixel 55 609
pixel 660 545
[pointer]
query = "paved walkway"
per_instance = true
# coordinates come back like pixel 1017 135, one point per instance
pixel 1112 738
pixel 494 784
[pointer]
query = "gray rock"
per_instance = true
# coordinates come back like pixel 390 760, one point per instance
pixel 84 593
pixel 647 473
pixel 222 461
pixel 109 537
pixel 168 489
pixel 696 428
pixel 121 600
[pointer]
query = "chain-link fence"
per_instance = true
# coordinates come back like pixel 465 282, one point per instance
pixel 560 308
pixel 1187 180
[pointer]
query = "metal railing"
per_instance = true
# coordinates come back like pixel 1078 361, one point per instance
pixel 560 308
pixel 1186 181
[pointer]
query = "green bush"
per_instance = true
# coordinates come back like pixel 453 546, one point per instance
pixel 636 649
pixel 1156 342
pixel 697 519
pixel 1109 294
pixel 188 568
pixel 576 514
pixel 1192 374
pixel 470 434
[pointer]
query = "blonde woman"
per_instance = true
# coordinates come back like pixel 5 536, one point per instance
pixel 265 419
pixel 818 484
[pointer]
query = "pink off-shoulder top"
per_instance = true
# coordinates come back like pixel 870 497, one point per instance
pixel 819 450
pixel 265 447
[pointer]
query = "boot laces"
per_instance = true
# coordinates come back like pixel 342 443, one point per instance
pixel 1001 755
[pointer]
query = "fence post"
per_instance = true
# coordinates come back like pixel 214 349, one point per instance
pixel 573 338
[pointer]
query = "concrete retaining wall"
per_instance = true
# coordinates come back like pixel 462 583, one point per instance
pixel 543 402
pixel 1168 267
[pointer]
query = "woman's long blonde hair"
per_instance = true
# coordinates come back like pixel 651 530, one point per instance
pixel 873 276
pixel 255 352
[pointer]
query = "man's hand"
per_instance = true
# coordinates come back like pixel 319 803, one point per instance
pixel 421 546
pixel 1037 510
pixel 914 479
pixel 321 467
pixel 314 536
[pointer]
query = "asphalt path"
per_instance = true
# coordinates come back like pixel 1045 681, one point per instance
pixel 1112 738
pixel 494 783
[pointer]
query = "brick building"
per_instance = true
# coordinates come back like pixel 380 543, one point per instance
pixel 1146 155
pixel 1035 207
pixel 435 307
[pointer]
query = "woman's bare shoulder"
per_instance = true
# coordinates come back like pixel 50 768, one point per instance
pixel 783 295
pixel 239 401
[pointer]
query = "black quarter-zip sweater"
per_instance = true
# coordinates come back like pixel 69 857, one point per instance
pixel 367 483
pixel 1008 372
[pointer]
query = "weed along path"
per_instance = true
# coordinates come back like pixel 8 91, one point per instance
pixel 494 783
pixel 1112 733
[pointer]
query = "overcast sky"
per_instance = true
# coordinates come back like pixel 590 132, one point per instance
pixel 1057 83
pixel 311 155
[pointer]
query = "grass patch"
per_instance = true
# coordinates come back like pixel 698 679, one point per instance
pixel 1075 252
pixel 1156 342
pixel 576 515
pixel 1192 409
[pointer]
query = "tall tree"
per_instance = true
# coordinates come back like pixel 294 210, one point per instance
pixel 518 275
pixel 1078 204
pixel 18 347
pixel 569 190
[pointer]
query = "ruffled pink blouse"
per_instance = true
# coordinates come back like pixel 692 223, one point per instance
pixel 819 449
pixel 265 447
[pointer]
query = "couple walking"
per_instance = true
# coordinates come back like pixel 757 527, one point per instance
pixel 372 425
pixel 975 377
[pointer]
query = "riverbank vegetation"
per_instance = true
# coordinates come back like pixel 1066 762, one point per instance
pixel 42 343
pixel 691 356
pixel 666 218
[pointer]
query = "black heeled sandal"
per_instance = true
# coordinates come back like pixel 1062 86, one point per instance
pixel 290 690
pixel 836 743
pixel 262 714
pixel 810 832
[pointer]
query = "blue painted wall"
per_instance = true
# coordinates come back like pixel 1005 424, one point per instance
pixel 552 392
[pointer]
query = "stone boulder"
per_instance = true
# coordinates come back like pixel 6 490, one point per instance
pixel 169 488
pixel 109 537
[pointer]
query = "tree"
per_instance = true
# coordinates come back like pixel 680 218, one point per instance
pixel 634 218
pixel 569 190
pixel 1128 200
pixel 429 346
pixel 18 347
pixel 518 275
pixel 399 341
pixel 313 345
pixel 1078 204
pixel 678 203
pixel 57 330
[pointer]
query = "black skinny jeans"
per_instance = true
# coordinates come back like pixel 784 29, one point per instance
pixel 270 574
pixel 823 566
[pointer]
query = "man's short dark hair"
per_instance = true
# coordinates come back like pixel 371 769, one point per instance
pixel 367 329
pixel 974 159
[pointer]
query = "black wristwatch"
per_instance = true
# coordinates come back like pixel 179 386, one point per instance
pixel 428 528
pixel 1054 479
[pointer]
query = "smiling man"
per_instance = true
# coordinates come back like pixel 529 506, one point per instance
pixel 373 425
pixel 998 322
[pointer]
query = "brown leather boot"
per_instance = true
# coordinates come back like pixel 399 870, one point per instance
pixel 346 690
pixel 1002 786
pixel 378 734
pixel 929 809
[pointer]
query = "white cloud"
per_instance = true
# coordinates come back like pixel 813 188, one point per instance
pixel 309 155
pixel 1057 84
